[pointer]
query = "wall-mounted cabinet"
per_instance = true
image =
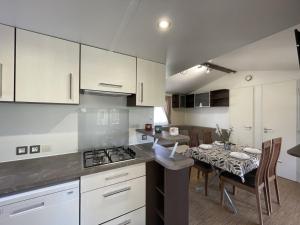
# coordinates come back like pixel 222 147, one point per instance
pixel 202 100
pixel 47 69
pixel 190 101
pixel 150 84
pixel 7 39
pixel 217 98
pixel 178 101
pixel 102 70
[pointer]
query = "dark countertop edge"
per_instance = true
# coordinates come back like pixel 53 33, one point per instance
pixel 295 151
pixel 144 154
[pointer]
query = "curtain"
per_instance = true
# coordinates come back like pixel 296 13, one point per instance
pixel 168 107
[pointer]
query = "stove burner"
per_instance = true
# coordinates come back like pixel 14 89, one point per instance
pixel 106 156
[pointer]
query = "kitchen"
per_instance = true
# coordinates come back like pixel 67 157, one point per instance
pixel 84 137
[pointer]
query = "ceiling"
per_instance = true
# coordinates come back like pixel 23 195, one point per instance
pixel 201 30
pixel 276 52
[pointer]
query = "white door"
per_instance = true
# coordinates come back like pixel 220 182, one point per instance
pixel 150 83
pixel 7 40
pixel 241 113
pixel 47 69
pixel 279 113
pixel 107 71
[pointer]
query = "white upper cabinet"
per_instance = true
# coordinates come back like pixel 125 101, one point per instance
pixel 47 69
pixel 151 81
pixel 7 39
pixel 107 71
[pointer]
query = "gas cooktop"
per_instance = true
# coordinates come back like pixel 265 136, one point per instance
pixel 109 155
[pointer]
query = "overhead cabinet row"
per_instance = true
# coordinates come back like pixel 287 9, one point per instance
pixel 216 98
pixel 43 69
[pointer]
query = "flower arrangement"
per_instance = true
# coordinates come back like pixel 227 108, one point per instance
pixel 224 134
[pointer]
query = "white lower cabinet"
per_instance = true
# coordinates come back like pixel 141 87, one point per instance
pixel 136 217
pixel 101 204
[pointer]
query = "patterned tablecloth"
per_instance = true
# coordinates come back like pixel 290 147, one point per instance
pixel 220 158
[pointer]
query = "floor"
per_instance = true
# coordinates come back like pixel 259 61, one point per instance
pixel 207 210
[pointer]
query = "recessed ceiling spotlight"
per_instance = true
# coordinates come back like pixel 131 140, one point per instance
pixel 164 24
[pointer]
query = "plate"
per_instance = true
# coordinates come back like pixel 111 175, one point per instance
pixel 218 143
pixel 252 150
pixel 205 146
pixel 239 155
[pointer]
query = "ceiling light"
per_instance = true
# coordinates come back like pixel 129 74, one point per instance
pixel 207 70
pixel 164 24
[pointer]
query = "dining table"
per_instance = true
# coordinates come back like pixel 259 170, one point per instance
pixel 222 160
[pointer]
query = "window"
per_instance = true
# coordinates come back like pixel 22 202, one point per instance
pixel 160 117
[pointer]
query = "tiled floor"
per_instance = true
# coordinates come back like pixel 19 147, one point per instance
pixel 207 210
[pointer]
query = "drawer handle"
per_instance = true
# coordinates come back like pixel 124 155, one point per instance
pixel 116 192
pixel 71 85
pixel 125 222
pixel 27 208
pixel 111 85
pixel 117 176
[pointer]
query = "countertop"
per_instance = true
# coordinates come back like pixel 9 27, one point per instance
pixel 165 136
pixel 23 175
pixel 295 151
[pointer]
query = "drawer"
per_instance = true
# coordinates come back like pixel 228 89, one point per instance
pixel 137 217
pixel 106 203
pixel 98 180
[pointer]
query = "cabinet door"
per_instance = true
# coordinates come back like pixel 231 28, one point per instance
pixel 279 107
pixel 150 83
pixel 241 113
pixel 103 70
pixel 47 69
pixel 7 35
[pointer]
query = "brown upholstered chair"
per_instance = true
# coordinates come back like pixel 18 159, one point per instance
pixel 271 173
pixel 254 184
pixel 203 167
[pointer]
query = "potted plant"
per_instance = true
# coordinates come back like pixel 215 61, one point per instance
pixel 224 136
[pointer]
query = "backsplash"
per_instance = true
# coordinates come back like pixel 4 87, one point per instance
pixel 98 121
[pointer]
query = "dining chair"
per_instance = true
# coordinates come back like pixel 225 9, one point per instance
pixel 203 167
pixel 271 174
pixel 253 184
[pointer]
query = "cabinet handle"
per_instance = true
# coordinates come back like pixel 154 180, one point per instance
pixel 142 92
pixel 248 127
pixel 266 130
pixel 71 84
pixel 116 176
pixel 116 192
pixel 1 80
pixel 111 85
pixel 125 222
pixel 27 208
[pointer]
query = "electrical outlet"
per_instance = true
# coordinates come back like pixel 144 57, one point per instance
pixel 21 150
pixel 35 149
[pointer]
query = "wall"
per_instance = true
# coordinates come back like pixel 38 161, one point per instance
pixel 60 129
pixel 211 116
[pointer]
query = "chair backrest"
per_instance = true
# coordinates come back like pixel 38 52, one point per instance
pixel 207 137
pixel 264 162
pixel 194 138
pixel 276 147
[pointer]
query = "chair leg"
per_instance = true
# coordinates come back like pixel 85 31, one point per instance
pixel 198 175
pixel 233 190
pixel 222 188
pixel 190 173
pixel 206 183
pixel 269 195
pixel 260 217
pixel 266 200
pixel 277 190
